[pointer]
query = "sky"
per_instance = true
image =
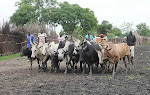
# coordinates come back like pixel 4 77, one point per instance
pixel 114 11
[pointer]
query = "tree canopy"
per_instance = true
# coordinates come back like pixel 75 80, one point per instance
pixel 104 28
pixel 31 11
pixel 143 29
pixel 126 27
pixel 71 16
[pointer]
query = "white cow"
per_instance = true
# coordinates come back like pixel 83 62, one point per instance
pixel 52 48
pixel 62 51
pixel 37 52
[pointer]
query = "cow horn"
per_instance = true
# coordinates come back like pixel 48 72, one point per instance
pixel 101 46
pixel 107 46
pixel 35 43
pixel 81 36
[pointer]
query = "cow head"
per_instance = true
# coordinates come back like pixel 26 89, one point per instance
pixel 77 47
pixel 106 52
pixel 25 51
pixel 75 51
pixel 52 48
pixel 61 53
pixel 34 50
pixel 84 44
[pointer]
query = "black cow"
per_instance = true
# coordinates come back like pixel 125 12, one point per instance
pixel 66 54
pixel 89 55
pixel 27 52
pixel 54 57
pixel 71 58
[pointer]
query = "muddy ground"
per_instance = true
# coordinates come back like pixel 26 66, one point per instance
pixel 16 78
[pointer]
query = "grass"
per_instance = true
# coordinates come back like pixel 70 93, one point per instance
pixel 9 56
pixel 131 77
pixel 147 69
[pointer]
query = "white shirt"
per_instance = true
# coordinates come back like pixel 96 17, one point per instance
pixel 41 37
pixel 61 38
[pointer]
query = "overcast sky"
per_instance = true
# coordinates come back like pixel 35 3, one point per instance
pixel 114 11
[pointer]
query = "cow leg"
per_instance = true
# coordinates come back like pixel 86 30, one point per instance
pixel 46 59
pixel 116 66
pixel 46 65
pixel 81 69
pixel 71 64
pixel 114 69
pixel 43 65
pixel 104 66
pixel 84 67
pixel 125 64
pixel 51 67
pixel 128 57
pixel 31 63
pixel 108 66
pixel 90 69
pixel 56 68
pixel 38 61
pixel 97 64
pixel 74 67
pixel 66 70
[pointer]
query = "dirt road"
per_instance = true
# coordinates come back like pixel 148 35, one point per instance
pixel 16 78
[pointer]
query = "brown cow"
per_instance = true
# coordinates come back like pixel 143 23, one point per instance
pixel 100 40
pixel 114 53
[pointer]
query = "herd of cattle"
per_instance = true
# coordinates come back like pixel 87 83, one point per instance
pixel 93 54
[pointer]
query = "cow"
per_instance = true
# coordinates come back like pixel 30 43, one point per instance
pixel 37 52
pixel 65 54
pixel 27 52
pixel 52 50
pixel 114 53
pixel 99 40
pixel 90 55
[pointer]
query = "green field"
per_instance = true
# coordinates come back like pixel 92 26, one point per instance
pixel 9 56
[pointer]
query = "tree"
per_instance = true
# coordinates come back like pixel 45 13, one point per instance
pixel 30 11
pixel 116 31
pixel 72 16
pixel 104 28
pixel 25 14
pixel 126 27
pixel 111 35
pixel 143 29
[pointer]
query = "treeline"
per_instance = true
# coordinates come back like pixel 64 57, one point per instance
pixel 74 19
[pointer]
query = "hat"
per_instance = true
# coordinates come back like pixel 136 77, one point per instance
pixel 102 35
